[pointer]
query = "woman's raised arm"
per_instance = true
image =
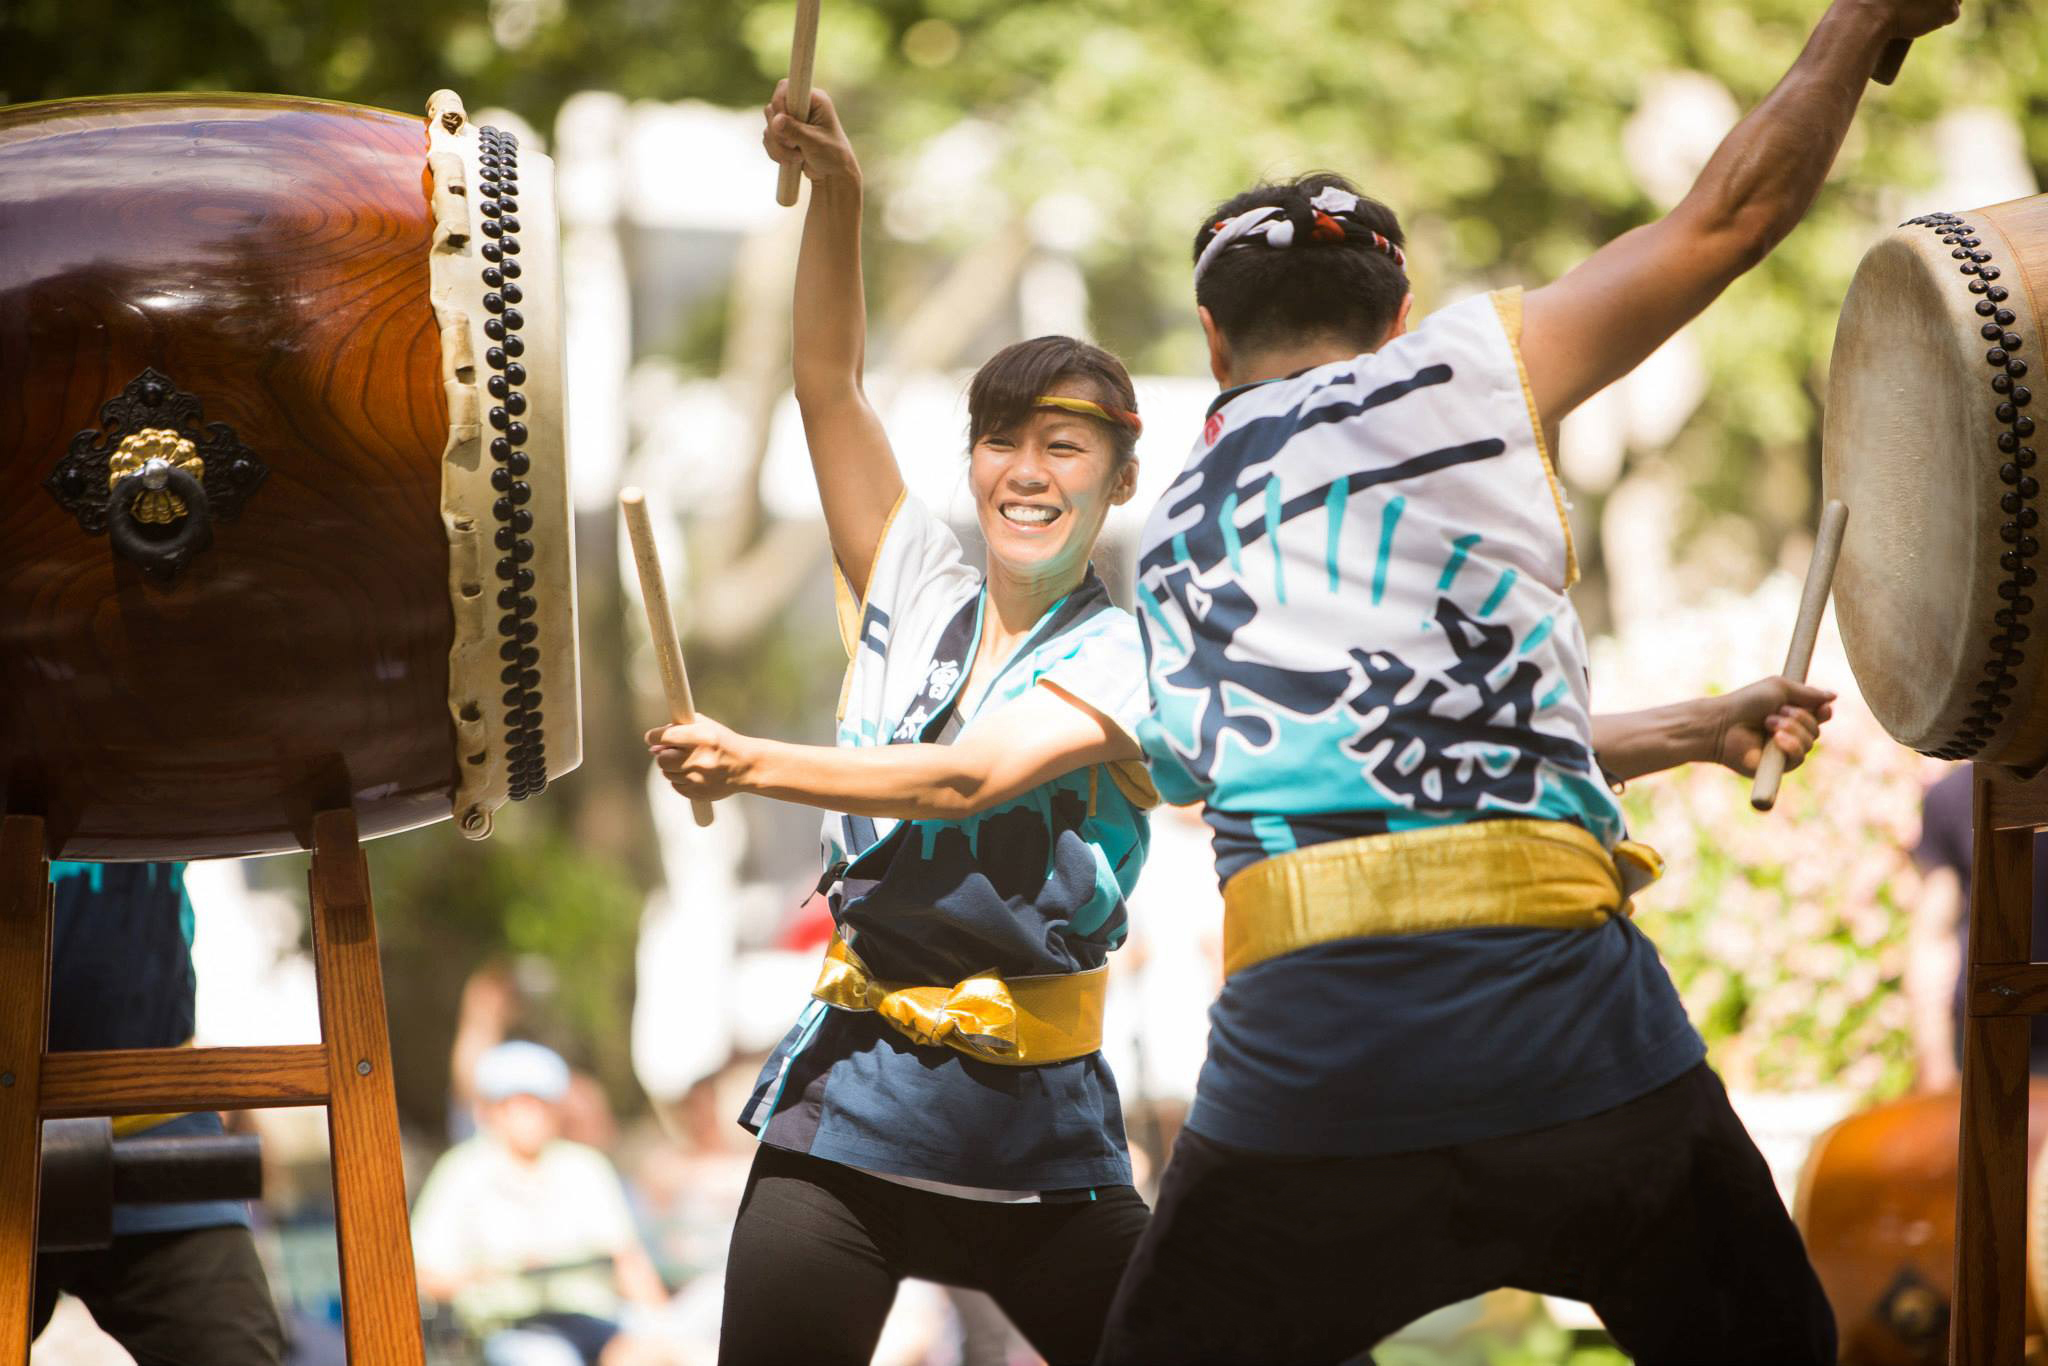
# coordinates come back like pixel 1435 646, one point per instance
pixel 858 481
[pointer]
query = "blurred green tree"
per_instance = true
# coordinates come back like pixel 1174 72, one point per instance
pixel 1496 128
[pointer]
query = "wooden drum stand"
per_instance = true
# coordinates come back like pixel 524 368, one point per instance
pixel 2006 988
pixel 349 1072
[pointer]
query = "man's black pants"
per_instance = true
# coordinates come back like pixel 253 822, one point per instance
pixel 172 1299
pixel 1660 1213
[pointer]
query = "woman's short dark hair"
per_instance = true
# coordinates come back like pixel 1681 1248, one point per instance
pixel 1005 390
pixel 1263 296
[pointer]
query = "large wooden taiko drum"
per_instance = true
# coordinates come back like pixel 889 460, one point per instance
pixel 1932 441
pixel 284 514
pixel 1877 1206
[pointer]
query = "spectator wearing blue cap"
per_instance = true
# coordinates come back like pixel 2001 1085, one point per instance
pixel 527 1234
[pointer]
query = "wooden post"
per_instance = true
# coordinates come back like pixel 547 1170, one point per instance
pixel 1988 1316
pixel 24 995
pixel 350 1071
pixel 380 1296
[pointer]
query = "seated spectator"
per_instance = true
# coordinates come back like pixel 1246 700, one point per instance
pixel 526 1234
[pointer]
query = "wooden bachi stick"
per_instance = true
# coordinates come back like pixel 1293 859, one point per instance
pixel 661 623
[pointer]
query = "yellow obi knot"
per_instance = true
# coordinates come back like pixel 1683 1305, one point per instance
pixel 127 1126
pixel 1022 1023
pixel 1526 873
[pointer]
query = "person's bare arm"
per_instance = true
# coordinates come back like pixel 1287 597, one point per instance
pixel 858 479
pixel 1934 959
pixel 1588 329
pixel 1730 730
pixel 490 1002
pixel 639 1282
pixel 1000 757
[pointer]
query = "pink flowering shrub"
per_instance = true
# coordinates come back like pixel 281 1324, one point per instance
pixel 1786 932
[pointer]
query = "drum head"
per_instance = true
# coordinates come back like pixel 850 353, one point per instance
pixel 1929 442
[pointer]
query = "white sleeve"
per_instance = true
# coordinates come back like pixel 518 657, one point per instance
pixel 1105 668
pixel 609 1221
pixel 919 561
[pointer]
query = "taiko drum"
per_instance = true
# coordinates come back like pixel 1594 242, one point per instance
pixel 284 517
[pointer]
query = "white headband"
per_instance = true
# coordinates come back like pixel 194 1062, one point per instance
pixel 1270 223
pixel 1259 221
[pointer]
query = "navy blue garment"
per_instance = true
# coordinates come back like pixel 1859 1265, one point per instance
pixel 1356 617
pixel 1031 888
pixel 121 977
pixel 1387 1045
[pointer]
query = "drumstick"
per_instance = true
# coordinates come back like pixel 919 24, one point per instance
pixel 1890 60
pixel 1820 573
pixel 668 649
pixel 803 52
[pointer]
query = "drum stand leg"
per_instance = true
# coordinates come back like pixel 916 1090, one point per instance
pixel 381 1312
pixel 349 1071
pixel 1988 1317
pixel 24 992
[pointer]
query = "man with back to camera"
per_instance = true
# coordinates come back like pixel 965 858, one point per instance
pixel 1443 1059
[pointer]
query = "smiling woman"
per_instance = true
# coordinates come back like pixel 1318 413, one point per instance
pixel 1054 430
pixel 941 1107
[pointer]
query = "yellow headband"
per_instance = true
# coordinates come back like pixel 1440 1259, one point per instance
pixel 1089 408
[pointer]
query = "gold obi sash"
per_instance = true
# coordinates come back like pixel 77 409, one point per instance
pixel 1530 873
pixel 1021 1023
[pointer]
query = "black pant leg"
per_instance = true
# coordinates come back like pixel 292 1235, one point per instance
pixel 1252 1257
pixel 1709 1265
pixel 1057 1267
pixel 810 1277
pixel 53 1273
pixel 197 1298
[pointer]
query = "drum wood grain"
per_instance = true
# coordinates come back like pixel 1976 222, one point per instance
pixel 269 256
pixel 1877 1207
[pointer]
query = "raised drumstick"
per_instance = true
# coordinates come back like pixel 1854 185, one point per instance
pixel 1890 60
pixel 803 52
pixel 1820 573
pixel 661 625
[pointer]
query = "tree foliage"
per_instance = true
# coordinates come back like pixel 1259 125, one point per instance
pixel 1496 129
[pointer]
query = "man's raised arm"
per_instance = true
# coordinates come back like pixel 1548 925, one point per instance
pixel 1588 329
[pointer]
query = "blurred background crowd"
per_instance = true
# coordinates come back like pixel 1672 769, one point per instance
pixel 1038 166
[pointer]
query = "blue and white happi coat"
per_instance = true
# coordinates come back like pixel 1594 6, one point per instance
pixel 1355 615
pixel 1035 886
pixel 1356 604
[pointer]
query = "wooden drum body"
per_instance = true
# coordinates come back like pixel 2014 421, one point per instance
pixel 274 497
pixel 1877 1206
pixel 1931 440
